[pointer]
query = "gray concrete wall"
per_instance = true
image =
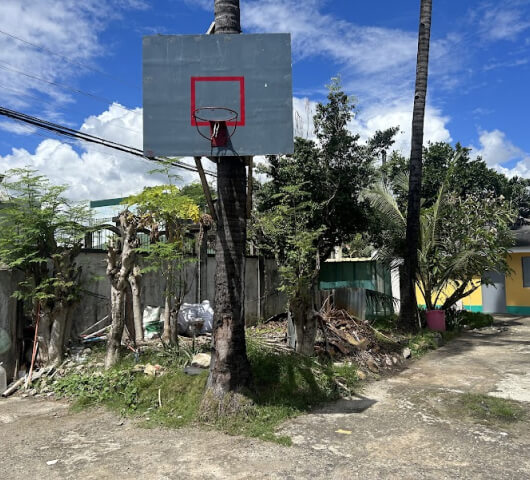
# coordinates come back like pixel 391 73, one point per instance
pixel 8 321
pixel 262 300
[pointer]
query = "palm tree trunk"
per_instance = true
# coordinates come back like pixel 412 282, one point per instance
pixel 408 318
pixel 230 368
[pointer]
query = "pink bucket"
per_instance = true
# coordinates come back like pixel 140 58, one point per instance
pixel 435 320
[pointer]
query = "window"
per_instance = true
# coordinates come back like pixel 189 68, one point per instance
pixel 526 272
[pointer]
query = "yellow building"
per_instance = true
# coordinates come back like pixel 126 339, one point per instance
pixel 508 293
pixel 472 302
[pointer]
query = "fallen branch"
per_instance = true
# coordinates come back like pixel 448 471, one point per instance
pixel 13 388
pixel 95 325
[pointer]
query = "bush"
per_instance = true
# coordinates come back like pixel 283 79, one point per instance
pixel 455 320
pixel 285 385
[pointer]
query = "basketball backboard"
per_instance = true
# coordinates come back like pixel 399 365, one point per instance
pixel 248 76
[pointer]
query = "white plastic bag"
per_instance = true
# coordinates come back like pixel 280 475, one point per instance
pixel 195 315
pixel 207 316
pixel 151 321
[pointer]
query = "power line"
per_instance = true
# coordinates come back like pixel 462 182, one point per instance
pixel 105 100
pixel 69 132
pixel 48 104
pixel 69 60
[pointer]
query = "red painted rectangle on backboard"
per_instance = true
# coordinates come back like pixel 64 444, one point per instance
pixel 241 118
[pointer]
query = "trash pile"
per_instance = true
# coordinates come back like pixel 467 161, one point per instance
pixel 195 318
pixel 347 337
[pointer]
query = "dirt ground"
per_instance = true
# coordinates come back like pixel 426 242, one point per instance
pixel 400 427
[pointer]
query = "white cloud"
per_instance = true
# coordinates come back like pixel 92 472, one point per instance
pixel 14 127
pixel 379 117
pixel 495 149
pixel 67 27
pixel 93 171
pixel 382 116
pixel 503 20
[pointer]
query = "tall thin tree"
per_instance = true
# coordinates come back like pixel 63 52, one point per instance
pixel 230 368
pixel 408 317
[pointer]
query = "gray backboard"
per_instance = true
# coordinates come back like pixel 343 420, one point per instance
pixel 250 74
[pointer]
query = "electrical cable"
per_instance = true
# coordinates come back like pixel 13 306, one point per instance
pixel 69 60
pixel 69 132
pixel 94 96
pixel 48 104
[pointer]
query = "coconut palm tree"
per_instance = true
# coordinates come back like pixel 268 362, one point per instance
pixel 230 368
pixel 408 318
pixel 459 240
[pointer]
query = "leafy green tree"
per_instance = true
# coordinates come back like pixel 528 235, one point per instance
pixel 165 209
pixel 311 203
pixel 461 238
pixel 41 234
pixel 196 193
pixel 470 176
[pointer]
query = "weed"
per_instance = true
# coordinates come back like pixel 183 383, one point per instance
pixel 386 323
pixel 285 385
pixel 487 409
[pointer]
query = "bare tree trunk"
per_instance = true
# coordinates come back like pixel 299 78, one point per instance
pixel 57 340
pixel 44 335
pixel 136 289
pixel 166 334
pixel 230 369
pixel 227 16
pixel 305 326
pixel 120 264
pixel 409 309
pixel 116 331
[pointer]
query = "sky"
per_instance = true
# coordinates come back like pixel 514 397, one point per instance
pixel 79 64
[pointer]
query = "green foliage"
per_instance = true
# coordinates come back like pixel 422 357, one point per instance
pixel 386 323
pixel 460 237
pixel 469 177
pixel 196 193
pixel 287 385
pixel 311 201
pixel 427 340
pixel 455 320
pixel 41 233
pixel 489 410
pixel 165 207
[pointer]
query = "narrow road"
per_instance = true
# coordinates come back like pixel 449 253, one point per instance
pixel 407 426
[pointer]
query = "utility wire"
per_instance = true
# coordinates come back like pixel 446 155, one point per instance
pixel 69 132
pixel 69 60
pixel 48 104
pixel 105 100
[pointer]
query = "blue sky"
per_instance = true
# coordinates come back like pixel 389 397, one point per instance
pixel 480 73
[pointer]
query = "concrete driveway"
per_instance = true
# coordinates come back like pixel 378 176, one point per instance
pixel 402 427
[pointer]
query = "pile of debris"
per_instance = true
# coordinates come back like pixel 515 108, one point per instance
pixel 342 337
pixel 345 337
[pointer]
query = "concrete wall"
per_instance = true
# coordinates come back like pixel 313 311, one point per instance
pixel 262 300
pixel 8 321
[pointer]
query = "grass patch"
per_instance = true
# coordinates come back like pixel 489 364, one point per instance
pixel 490 410
pixel 476 319
pixel 285 385
pixel 428 340
pixel 386 323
